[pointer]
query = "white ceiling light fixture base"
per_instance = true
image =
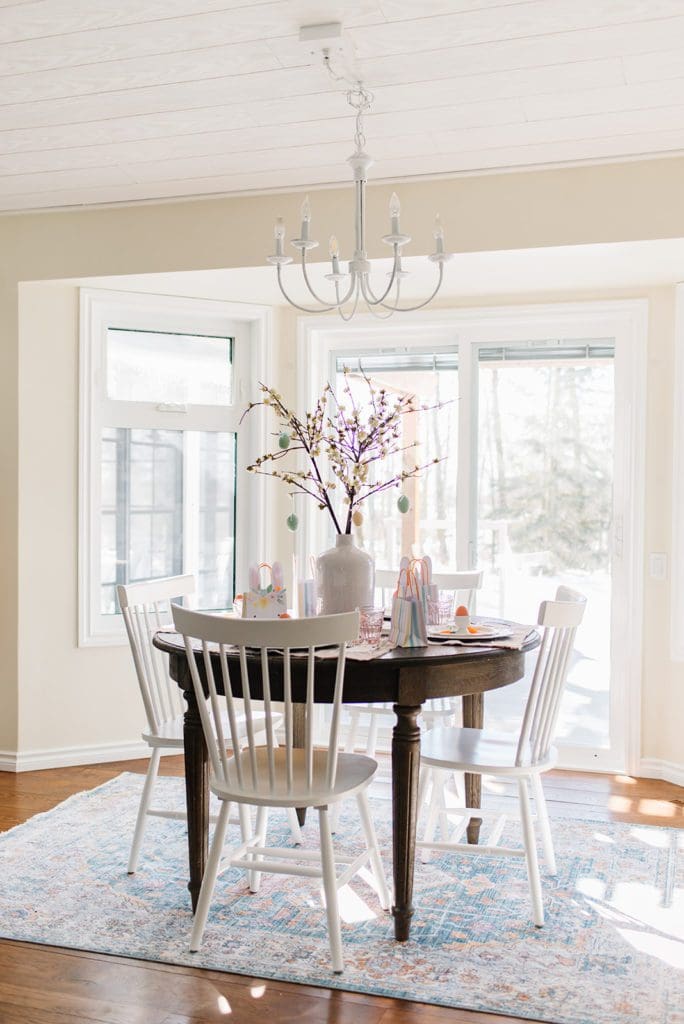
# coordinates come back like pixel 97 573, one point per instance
pixel 327 41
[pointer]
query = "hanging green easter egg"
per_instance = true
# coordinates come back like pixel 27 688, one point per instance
pixel 284 440
pixel 403 504
pixel 292 521
pixel 357 518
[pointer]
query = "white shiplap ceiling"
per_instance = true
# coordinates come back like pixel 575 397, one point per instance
pixel 104 102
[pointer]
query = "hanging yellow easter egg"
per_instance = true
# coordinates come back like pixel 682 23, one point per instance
pixel 357 517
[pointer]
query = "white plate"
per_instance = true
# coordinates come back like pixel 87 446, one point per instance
pixel 484 632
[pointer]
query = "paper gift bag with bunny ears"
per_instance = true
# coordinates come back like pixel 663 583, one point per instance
pixel 268 601
pixel 408 616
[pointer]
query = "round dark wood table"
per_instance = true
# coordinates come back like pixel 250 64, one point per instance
pixel 405 678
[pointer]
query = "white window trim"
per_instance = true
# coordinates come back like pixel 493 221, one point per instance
pixel 677 559
pixel 625 320
pixel 251 326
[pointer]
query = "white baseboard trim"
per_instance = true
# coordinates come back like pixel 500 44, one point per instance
pixel 655 768
pixel 65 757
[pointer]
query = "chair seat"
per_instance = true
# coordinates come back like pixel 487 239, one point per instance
pixel 354 772
pixel 482 751
pixel 171 732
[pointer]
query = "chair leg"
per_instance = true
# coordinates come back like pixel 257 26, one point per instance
pixel 354 716
pixel 209 880
pixel 544 826
pixel 372 847
pixel 293 822
pixel 372 736
pixel 530 841
pixel 423 783
pixel 254 879
pixel 141 820
pixel 245 822
pixel 434 816
pixel 330 891
pixel 353 729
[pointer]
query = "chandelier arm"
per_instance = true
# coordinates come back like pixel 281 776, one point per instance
pixel 380 316
pixel 304 309
pixel 412 309
pixel 350 290
pixel 346 317
pixel 316 297
pixel 368 291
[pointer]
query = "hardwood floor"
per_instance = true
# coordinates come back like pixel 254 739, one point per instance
pixel 45 985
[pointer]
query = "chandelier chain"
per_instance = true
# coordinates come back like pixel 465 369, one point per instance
pixel 360 100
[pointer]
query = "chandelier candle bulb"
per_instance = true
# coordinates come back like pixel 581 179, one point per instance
pixel 395 210
pixel 306 218
pixel 439 234
pixel 334 251
pixel 279 235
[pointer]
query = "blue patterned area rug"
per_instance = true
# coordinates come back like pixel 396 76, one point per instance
pixel 612 950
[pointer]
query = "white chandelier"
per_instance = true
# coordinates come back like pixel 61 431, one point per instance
pixel 354 285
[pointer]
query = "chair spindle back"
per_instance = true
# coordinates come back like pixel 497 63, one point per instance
pixel 464 584
pixel 146 608
pixel 560 619
pixel 255 768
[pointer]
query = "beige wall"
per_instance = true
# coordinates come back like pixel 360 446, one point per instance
pixel 68 697
pixel 54 695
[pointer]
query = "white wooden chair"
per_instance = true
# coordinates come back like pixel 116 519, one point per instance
pixel 525 758
pixel 146 608
pixel 274 776
pixel 464 586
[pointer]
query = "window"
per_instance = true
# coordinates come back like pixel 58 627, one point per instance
pixel 163 386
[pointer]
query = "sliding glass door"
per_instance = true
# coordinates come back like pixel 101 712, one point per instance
pixel 543 490
pixel 541 437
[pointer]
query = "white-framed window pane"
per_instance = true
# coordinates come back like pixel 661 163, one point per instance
pixel 429 528
pixel 185 369
pixel 151 477
pixel 141 525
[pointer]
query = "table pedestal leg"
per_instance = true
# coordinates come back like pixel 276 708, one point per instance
pixel 196 794
pixel 299 742
pixel 405 772
pixel 473 718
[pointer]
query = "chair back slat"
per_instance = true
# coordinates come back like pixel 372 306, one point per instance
pixel 560 619
pixel 145 608
pixel 289 717
pixel 215 702
pixel 546 736
pixel 552 681
pixel 164 698
pixel 331 768
pixel 160 615
pixel 249 715
pixel 270 739
pixel 204 712
pixel 232 713
pixel 269 768
pixel 309 744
